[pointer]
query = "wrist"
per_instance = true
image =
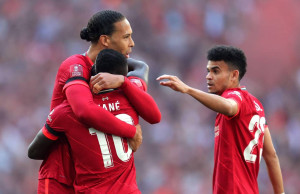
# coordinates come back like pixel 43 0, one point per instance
pixel 123 81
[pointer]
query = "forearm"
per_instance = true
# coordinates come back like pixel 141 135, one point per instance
pixel 212 101
pixel 142 102
pixel 83 106
pixel 274 172
pixel 39 147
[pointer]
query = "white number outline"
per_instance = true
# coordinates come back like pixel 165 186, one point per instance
pixel 118 143
pixel 259 122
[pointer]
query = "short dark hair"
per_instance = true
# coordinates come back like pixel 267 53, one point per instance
pixel 233 57
pixel 101 23
pixel 110 61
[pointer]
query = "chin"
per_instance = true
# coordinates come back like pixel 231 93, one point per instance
pixel 212 92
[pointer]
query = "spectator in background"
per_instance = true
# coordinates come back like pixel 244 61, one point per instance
pixel 241 132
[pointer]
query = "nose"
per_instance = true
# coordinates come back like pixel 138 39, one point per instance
pixel 131 43
pixel 208 76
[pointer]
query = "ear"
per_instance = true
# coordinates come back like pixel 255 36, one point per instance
pixel 235 75
pixel 104 40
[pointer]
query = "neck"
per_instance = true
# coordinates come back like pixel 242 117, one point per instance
pixel 93 51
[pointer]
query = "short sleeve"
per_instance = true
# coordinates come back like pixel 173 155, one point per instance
pixel 236 96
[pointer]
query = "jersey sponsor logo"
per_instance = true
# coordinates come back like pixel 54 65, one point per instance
pixel 236 93
pixel 257 107
pixel 217 131
pixel 105 98
pixel 76 70
pixel 137 82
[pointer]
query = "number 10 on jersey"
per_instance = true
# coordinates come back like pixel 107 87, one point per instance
pixel 118 144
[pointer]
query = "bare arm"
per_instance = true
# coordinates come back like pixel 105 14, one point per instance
pixel 272 163
pixel 214 102
pixel 39 147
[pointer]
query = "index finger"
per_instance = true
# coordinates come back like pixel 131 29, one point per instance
pixel 164 77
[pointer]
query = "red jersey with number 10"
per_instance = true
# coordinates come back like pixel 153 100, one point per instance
pixel 104 163
pixel 238 145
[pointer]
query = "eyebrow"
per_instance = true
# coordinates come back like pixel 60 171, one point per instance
pixel 214 67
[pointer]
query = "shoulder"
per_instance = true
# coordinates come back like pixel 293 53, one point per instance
pixel 74 60
pixel 140 83
pixel 60 113
pixel 233 93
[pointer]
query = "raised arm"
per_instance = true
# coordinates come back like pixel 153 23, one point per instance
pixel 214 102
pixel 272 162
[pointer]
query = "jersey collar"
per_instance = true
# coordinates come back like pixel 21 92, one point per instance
pixel 86 55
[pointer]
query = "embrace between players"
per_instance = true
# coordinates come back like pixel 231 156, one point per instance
pixel 88 140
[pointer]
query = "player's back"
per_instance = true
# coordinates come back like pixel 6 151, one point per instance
pixel 103 162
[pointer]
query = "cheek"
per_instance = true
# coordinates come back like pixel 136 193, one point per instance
pixel 220 81
pixel 121 46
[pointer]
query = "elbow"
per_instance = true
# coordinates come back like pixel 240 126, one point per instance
pixel 30 154
pixel 270 157
pixel 156 119
pixel 33 154
pixel 82 114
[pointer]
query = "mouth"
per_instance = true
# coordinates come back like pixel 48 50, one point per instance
pixel 209 85
pixel 127 54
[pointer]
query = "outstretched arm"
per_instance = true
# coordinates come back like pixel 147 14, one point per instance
pixel 272 163
pixel 214 102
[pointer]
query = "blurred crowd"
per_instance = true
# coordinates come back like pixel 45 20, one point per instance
pixel 172 36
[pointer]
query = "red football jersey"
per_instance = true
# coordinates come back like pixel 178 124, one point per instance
pixel 238 145
pixel 104 163
pixel 74 69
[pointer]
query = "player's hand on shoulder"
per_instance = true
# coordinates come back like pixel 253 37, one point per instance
pixel 137 140
pixel 105 81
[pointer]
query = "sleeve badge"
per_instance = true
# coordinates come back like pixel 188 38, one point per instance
pixel 76 70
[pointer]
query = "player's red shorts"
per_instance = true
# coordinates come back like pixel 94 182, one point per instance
pixel 51 186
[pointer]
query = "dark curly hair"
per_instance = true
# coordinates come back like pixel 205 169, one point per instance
pixel 110 61
pixel 233 57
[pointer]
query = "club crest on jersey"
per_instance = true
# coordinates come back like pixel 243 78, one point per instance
pixel 76 70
